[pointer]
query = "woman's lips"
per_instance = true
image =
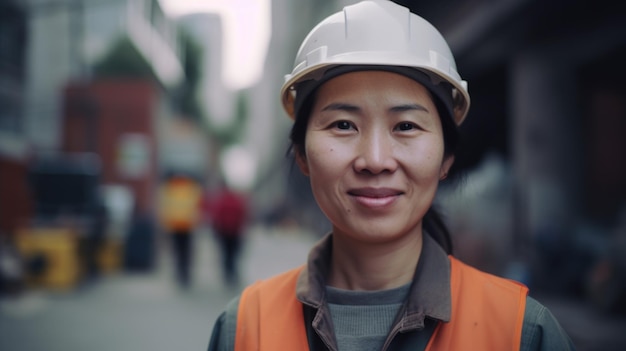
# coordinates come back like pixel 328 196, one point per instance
pixel 375 197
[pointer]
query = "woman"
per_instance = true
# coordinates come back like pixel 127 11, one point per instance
pixel 376 100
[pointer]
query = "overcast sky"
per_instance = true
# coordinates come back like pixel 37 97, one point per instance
pixel 247 33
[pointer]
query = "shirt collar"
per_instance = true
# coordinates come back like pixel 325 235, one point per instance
pixel 429 295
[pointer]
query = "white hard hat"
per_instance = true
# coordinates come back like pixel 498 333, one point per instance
pixel 376 34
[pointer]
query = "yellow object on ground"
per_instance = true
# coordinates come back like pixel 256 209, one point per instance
pixel 51 256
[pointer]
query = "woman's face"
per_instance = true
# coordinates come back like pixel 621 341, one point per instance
pixel 374 153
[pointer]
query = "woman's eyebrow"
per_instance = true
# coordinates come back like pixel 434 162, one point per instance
pixel 340 106
pixel 408 107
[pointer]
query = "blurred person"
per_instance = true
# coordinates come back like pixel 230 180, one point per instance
pixel 376 101
pixel 96 236
pixel 12 273
pixel 179 211
pixel 228 212
pixel 140 241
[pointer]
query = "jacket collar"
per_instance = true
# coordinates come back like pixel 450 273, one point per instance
pixel 429 294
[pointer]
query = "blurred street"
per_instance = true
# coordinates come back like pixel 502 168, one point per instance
pixel 149 312
pixel 143 311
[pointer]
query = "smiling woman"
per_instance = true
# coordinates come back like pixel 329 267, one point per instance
pixel 376 101
pixel 247 33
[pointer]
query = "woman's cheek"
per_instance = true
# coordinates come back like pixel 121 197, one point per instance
pixel 323 153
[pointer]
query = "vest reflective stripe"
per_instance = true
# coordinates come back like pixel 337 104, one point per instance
pixel 487 314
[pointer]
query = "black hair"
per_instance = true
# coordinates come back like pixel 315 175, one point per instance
pixel 433 223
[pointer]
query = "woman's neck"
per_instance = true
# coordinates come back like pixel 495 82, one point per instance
pixel 374 266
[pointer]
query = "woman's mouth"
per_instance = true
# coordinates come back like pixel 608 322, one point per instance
pixel 375 197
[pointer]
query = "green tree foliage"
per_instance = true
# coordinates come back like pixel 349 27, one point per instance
pixel 187 93
pixel 123 60
pixel 232 133
pixel 188 100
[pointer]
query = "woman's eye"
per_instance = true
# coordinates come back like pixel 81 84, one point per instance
pixel 406 126
pixel 344 125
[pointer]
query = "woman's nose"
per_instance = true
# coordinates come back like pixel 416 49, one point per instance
pixel 375 154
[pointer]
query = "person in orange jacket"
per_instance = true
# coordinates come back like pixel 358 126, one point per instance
pixel 376 101
pixel 179 211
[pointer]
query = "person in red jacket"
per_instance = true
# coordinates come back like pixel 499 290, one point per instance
pixel 229 214
pixel 376 101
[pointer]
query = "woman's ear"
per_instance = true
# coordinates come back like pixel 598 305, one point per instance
pixel 302 162
pixel 447 163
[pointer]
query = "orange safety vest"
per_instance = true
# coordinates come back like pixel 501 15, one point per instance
pixel 487 314
pixel 179 207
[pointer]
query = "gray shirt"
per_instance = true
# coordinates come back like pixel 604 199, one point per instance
pixel 362 319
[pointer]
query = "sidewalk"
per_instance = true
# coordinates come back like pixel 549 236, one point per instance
pixel 143 312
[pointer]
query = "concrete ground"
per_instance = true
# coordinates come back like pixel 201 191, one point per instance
pixel 144 311
pixel 149 312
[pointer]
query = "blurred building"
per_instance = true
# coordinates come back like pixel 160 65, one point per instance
pixel 280 190
pixel 13 151
pixel 207 30
pixel 72 35
pixel 50 104
pixel 264 135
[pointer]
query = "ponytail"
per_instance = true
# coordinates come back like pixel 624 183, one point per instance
pixel 434 226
